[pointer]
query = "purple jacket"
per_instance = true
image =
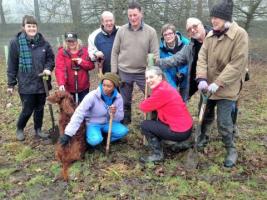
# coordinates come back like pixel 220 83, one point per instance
pixel 94 110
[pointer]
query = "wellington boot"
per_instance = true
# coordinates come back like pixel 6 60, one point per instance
pixel 39 133
pixel 156 154
pixel 231 157
pixel 20 135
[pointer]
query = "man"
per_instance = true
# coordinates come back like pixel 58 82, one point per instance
pixel 133 42
pixel 189 54
pixel 100 42
pixel 221 69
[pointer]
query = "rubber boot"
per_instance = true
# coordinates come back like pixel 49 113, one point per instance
pixel 180 146
pixel 231 155
pixel 39 133
pixel 236 131
pixel 127 115
pixel 156 154
pixel 203 138
pixel 20 135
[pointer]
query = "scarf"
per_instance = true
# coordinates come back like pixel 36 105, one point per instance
pixel 219 33
pixel 25 55
pixel 108 99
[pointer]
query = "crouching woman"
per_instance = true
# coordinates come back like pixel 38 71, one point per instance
pixel 174 121
pixel 96 108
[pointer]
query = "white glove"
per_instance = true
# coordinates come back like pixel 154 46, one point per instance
pixel 10 90
pixel 213 87
pixel 47 72
pixel 202 86
pixel 61 88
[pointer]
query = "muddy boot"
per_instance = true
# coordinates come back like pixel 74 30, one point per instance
pixel 20 135
pixel 39 133
pixel 179 146
pixel 236 131
pixel 203 140
pixel 156 154
pixel 231 156
pixel 127 116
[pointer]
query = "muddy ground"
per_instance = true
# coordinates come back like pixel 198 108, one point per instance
pixel 28 169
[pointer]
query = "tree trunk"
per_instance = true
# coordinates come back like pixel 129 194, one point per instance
pixel 2 14
pixel 76 12
pixel 37 11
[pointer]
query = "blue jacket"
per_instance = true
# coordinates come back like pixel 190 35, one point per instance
pixel 104 42
pixel 170 73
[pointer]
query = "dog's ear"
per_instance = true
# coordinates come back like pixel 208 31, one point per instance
pixel 67 105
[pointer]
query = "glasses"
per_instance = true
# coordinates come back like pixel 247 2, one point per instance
pixel 193 27
pixel 168 34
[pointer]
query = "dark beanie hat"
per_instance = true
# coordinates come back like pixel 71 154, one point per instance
pixel 223 10
pixel 112 77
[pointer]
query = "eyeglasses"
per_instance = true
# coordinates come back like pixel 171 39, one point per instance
pixel 168 34
pixel 193 27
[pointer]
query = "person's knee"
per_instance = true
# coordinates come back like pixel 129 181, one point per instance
pixel 93 141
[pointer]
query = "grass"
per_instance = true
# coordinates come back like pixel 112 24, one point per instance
pixel 28 169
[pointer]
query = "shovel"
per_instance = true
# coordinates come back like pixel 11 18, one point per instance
pixel 192 156
pixel 54 131
pixel 109 134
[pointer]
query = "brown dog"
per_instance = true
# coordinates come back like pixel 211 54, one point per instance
pixel 76 148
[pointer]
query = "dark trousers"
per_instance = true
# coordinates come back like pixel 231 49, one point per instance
pixel 81 95
pixel 31 103
pixel 224 118
pixel 127 85
pixel 151 128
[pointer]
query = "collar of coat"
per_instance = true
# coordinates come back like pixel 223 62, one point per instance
pixel 230 33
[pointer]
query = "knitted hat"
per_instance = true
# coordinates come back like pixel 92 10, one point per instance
pixel 223 10
pixel 112 77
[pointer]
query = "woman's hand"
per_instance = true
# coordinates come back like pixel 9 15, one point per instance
pixel 77 60
pixel 112 109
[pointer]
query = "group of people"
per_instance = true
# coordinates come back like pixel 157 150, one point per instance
pixel 213 60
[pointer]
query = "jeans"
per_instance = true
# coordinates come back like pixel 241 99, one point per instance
pixel 224 118
pixel 94 132
pixel 127 85
pixel 31 103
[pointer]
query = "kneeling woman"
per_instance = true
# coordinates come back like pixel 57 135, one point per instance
pixel 96 108
pixel 174 120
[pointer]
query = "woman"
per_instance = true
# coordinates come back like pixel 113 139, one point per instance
pixel 175 122
pixel 96 109
pixel 29 55
pixel 171 42
pixel 70 58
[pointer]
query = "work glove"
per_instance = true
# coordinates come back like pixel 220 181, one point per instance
pixel 202 85
pixel 61 88
pixel 10 90
pixel 64 140
pixel 47 72
pixel 213 88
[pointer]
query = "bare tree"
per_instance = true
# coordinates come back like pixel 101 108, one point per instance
pixel 76 12
pixel 247 10
pixel 2 14
pixel 37 11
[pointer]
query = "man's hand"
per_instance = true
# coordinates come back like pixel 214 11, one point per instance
pixel 202 85
pixel 47 72
pixel 213 88
pixel 99 55
pixel 10 90
pixel 64 140
pixel 61 88
pixel 112 109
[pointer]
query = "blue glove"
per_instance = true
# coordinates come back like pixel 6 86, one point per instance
pixel 202 86
pixel 213 88
pixel 64 140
